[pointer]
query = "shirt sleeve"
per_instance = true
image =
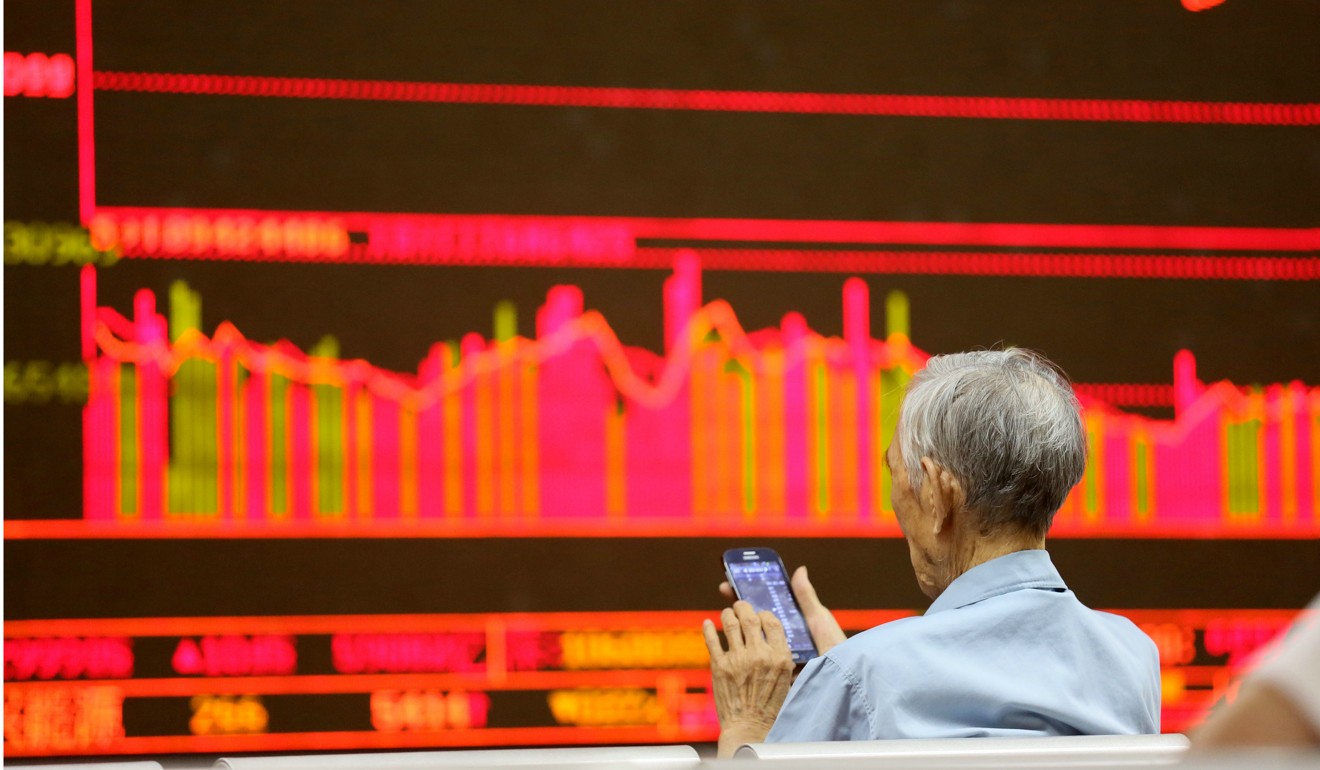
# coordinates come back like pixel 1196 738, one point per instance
pixel 823 705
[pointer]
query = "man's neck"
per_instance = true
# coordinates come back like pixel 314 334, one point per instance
pixel 977 550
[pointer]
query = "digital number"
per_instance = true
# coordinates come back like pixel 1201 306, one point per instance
pixel 39 382
pixel 53 243
pixel 394 711
pixel 234 655
pixel 37 74
pixel 605 708
pixel 228 715
pixel 68 658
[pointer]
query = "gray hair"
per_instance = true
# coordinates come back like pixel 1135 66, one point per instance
pixel 1007 424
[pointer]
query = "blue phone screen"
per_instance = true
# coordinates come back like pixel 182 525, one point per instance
pixel 764 585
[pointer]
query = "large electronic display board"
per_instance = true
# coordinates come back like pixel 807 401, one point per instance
pixel 394 376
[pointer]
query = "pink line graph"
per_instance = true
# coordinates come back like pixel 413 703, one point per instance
pixel 573 432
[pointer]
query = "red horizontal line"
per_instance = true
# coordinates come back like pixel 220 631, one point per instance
pixel 997 263
pixel 333 684
pixel 81 529
pixel 904 105
pixel 397 623
pixel 1199 617
pixel 512 621
pixel 1127 394
pixel 865 233
pixel 370 739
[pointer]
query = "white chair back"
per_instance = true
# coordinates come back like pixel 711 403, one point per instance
pixel 649 757
pixel 105 766
pixel 1058 751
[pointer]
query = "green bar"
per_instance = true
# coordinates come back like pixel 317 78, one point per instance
pixel 128 444
pixel 749 439
pixel 329 450
pixel 179 455
pixel 822 451
pixel 1243 470
pixel 1250 465
pixel 1143 479
pixel 890 398
pixel 279 470
pixel 209 438
pixel 506 321
pixel 193 472
pixel 329 447
pixel 185 310
pixel 896 313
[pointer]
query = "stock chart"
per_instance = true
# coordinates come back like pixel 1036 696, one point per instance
pixel 395 377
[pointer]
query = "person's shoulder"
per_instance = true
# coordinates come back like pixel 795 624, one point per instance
pixel 885 638
pixel 1128 632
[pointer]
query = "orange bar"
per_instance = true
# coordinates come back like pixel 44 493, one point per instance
pixel 846 439
pixel 818 443
pixel 616 462
pixel 699 429
pixel 1288 454
pixel 506 403
pixel 1259 413
pixel 725 420
pixel 314 454
pixel 774 483
pixel 497 652
pixel 407 461
pixel 365 447
pixel 240 448
pixel 884 511
pixel 485 407
pixel 453 430
pixel 531 442
pixel 1313 417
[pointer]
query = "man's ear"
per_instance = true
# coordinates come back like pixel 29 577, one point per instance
pixel 937 493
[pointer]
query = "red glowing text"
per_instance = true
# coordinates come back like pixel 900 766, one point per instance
pixel 37 74
pixel 234 655
pixel 68 658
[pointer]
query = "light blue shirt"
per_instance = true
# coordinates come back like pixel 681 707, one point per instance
pixel 1006 651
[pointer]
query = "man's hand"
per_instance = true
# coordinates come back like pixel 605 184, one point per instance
pixel 751 679
pixel 825 630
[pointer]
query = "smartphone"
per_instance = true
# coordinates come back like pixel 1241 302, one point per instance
pixel 758 577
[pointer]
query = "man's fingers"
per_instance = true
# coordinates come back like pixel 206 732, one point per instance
pixel 774 632
pixel 732 629
pixel 751 624
pixel 712 639
pixel 825 630
pixel 805 592
pixel 726 591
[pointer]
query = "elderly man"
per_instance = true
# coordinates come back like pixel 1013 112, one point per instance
pixel 987 448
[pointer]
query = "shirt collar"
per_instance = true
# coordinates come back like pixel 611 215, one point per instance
pixel 1005 574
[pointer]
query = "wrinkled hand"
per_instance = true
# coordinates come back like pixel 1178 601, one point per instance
pixel 825 630
pixel 751 679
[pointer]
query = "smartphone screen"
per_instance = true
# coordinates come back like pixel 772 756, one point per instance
pixel 758 577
